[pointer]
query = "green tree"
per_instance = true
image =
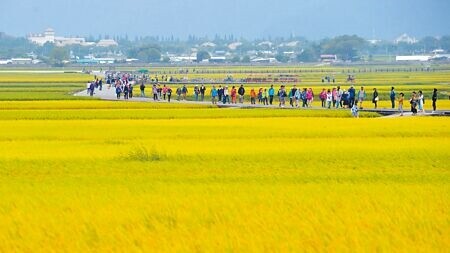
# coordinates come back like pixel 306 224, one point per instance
pixel 281 58
pixel 428 44
pixel 58 55
pixel 245 59
pixel 146 53
pixel 445 43
pixel 236 59
pixel 165 59
pixel 346 47
pixel 203 55
pixel 307 55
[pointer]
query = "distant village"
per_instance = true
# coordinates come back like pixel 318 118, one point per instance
pixel 47 48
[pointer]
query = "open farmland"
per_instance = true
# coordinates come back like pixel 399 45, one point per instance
pixel 94 176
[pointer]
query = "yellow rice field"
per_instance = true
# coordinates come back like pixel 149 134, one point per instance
pixel 108 176
pixel 221 184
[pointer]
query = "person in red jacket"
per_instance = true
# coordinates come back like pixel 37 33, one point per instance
pixel 233 95
pixel 252 96
pixel 323 97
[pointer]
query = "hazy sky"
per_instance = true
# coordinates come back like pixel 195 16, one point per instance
pixel 312 19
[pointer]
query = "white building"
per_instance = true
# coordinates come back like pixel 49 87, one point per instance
pixel 234 45
pixel 21 61
pixel 266 43
pixel 264 60
pixel 49 37
pixel 41 39
pixel 62 41
pixel 191 58
pixel 290 44
pixel 107 43
pixel 413 58
pixel 405 39
pixel 208 44
pixel 328 58
pixel 438 51
pixel 4 62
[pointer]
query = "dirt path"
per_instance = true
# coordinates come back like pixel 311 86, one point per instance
pixel 109 94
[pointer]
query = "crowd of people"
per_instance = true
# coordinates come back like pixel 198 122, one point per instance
pixel 334 97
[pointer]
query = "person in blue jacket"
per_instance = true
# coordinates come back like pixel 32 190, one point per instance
pixel 271 93
pixel 392 96
pixel 351 96
pixel 214 94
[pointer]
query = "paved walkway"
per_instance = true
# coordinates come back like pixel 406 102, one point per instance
pixel 109 94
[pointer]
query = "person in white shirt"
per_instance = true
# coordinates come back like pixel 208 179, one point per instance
pixel 329 98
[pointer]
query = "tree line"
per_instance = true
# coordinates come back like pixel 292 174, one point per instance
pixel 156 49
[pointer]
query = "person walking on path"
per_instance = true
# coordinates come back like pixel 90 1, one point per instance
pixel 291 97
pixel 241 92
pixel 196 92
pixel 142 88
pixel 159 92
pixel 164 91
pixel 252 96
pixel 334 94
pixel 213 95
pixel 233 94
pixel 329 98
pixel 118 91
pixel 155 92
pixel 169 94
pixel 361 96
pixel 88 87
pixel 434 99
pixel 400 103
pixel 351 96
pixel 310 97
pixel 226 96
pixel 392 96
pixel 375 97
pixel 303 97
pixel 100 84
pixel 265 97
pixel 219 93
pixel 260 95
pixel 271 94
pixel 202 92
pixel 294 101
pixel 413 102
pixel 126 90
pixel 282 96
pixel 421 102
pixel 178 91
pixel 130 91
pixel 91 89
pixel 297 97
pixel 338 97
pixel 323 97
pixel 184 92
pixel 354 110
